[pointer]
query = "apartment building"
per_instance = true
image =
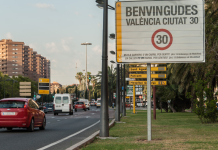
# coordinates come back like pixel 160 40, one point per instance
pixel 16 58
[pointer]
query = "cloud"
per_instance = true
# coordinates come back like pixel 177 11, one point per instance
pixel 99 25
pixel 91 16
pixel 45 6
pixel 8 35
pixel 77 13
pixel 97 49
pixel 51 47
pixel 67 43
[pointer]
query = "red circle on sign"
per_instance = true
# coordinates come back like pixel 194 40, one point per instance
pixel 162 48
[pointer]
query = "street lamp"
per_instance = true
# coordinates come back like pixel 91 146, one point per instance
pixel 112 36
pixel 13 85
pixel 101 4
pixel 86 59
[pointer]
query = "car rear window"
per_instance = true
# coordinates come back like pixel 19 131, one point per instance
pixel 65 100
pixel 58 100
pixel 99 101
pixel 49 105
pixel 79 103
pixel 11 104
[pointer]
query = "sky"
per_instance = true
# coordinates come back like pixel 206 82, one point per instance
pixel 56 29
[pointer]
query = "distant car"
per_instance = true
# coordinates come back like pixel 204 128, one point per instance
pixel 86 103
pixel 48 108
pixel 127 104
pixel 80 105
pixel 92 103
pixel 21 113
pixel 98 103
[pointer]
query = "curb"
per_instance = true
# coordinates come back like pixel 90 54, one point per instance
pixel 89 139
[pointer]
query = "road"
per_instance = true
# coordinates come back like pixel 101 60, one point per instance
pixel 57 128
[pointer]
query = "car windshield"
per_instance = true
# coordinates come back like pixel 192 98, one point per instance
pixel 58 100
pixel 12 104
pixel 79 103
pixel 65 100
pixel 49 105
pixel 99 101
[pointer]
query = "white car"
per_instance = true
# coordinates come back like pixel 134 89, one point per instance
pixel 63 104
pixel 86 103
pixel 98 103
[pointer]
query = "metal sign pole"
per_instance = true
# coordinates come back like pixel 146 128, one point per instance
pixel 117 113
pixel 134 99
pixel 149 100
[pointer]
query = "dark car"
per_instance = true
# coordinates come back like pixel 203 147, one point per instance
pixel 48 108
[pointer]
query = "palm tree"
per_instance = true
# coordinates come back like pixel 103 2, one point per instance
pixel 79 76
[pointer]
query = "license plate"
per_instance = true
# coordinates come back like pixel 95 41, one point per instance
pixel 8 113
pixel 49 108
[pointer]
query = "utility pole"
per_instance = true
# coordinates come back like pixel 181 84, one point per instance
pixel 117 113
pixel 121 108
pixel 124 96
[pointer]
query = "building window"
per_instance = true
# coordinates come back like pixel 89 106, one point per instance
pixel 14 49
pixel 14 64
pixel 14 56
pixel 15 72
pixel 15 68
pixel 14 52
pixel 14 45
pixel 14 60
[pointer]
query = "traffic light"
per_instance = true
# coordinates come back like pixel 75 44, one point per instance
pixel 34 95
pixel 89 77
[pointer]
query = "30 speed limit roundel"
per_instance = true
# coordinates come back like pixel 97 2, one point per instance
pixel 162 39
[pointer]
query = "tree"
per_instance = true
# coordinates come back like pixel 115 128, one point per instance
pixel 54 92
pixel 79 77
pixel 57 91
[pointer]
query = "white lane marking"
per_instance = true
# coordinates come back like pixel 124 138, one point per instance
pixel 59 141
pixel 93 113
pixel 52 117
pixel 87 116
pixel 48 122
pixel 65 118
pixel 58 120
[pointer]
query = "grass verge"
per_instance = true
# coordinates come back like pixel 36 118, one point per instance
pixel 177 131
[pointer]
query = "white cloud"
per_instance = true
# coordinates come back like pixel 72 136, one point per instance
pixel 51 47
pixel 91 16
pixel 45 6
pixel 8 35
pixel 77 13
pixel 97 49
pixel 99 25
pixel 66 43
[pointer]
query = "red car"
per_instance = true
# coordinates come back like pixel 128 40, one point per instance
pixel 80 105
pixel 21 113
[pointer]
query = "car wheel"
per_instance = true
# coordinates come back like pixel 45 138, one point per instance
pixel 9 129
pixel 75 110
pixel 56 113
pixel 43 124
pixel 85 109
pixel 31 127
pixel 88 109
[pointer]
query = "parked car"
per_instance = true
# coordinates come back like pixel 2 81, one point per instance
pixel 48 108
pixel 80 105
pixel 63 104
pixel 86 103
pixel 21 113
pixel 98 104
pixel 127 104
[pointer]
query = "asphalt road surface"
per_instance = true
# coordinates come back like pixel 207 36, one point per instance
pixel 61 131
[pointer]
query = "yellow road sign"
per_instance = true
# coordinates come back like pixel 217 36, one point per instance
pixel 127 96
pixel 145 69
pixel 43 92
pixel 43 80
pixel 145 82
pixel 145 76
pixel 145 63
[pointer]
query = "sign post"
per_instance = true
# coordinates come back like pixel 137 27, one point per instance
pixel 44 87
pixel 134 99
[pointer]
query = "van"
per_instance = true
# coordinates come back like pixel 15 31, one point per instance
pixel 62 104
pixel 86 101
pixel 98 103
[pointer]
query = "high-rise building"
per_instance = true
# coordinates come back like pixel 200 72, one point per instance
pixel 18 59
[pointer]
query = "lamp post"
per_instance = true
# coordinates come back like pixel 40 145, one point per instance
pixel 86 59
pixel 104 120
pixel 13 86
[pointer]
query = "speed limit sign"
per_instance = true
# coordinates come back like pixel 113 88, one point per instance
pixel 162 39
pixel 160 31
